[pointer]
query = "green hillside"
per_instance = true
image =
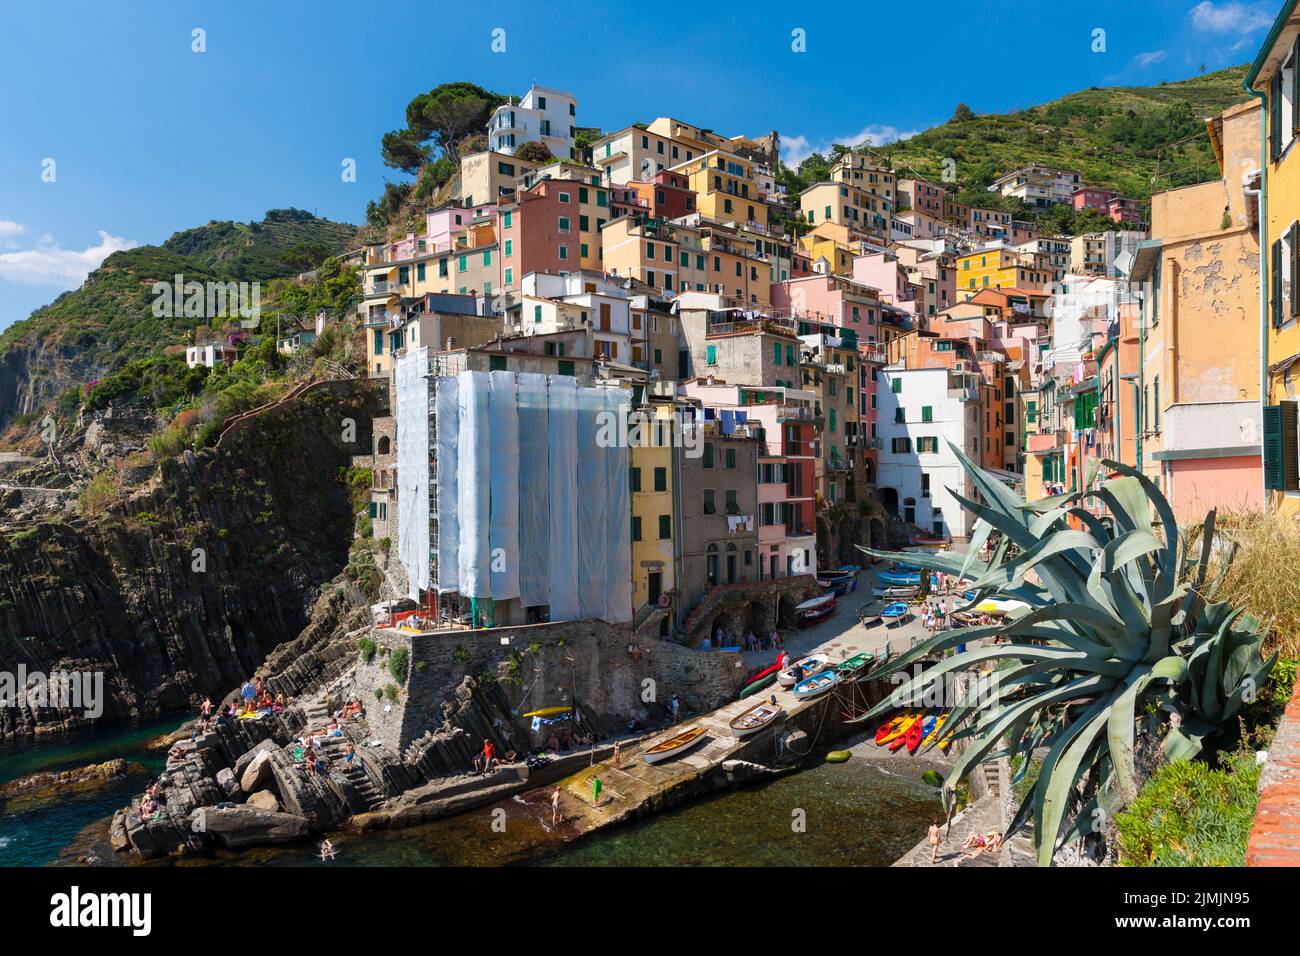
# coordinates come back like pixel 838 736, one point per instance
pixel 87 334
pixel 286 242
pixel 1134 139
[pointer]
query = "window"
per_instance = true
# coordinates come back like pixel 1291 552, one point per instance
pixel 899 416
pixel 661 479
pixel 508 218
pixel 564 224
pixel 901 446
pixel 510 276
pixel 636 528
pixel 462 264
pixel 1281 471
pixel 709 504
pixel 729 458
pixel 564 252
pixel 487 257
pixel 496 363
pixel 665 527
pixel 896 385
pixel 634 479
pixel 711 355
pixel 927 413
pixel 927 445
pixel 442 268
pixel 564 197
pixel 419 272
pixel 708 454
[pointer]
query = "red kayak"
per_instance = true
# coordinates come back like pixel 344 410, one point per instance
pixel 912 739
pixel 766 671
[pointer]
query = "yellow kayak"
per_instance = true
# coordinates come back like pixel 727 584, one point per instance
pixel 903 726
pixel 938 723
pixel 548 712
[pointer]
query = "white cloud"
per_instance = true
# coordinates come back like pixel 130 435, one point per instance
pixel 8 230
pixel 50 264
pixel 1146 59
pixel 795 149
pixel 1230 17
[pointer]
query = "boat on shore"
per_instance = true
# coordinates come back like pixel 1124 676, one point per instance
pixel 869 614
pixel 900 578
pixel 670 747
pixel 814 609
pixel 897 593
pixel 840 582
pixel 754 719
pixel 816 685
pixel 894 613
pixel 812 664
pixel 854 664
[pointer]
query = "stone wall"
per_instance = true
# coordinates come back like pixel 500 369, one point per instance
pixel 543 665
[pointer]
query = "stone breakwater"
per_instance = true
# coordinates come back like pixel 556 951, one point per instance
pixel 242 784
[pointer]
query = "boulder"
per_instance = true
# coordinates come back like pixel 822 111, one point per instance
pixel 237 827
pixel 258 774
pixel 264 800
pixel 241 764
pixel 229 785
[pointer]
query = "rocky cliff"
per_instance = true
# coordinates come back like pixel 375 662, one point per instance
pixel 184 588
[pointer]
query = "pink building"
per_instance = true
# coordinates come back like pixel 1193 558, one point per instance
pixel 1123 209
pixel 883 270
pixel 835 300
pixel 440 229
pixel 1087 197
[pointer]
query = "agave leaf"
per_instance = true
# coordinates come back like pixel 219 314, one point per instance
pixel 1120 726
pixel 1168 522
pixel 937 561
pixel 1013 572
pixel 998 495
pixel 1061 771
pixel 982 531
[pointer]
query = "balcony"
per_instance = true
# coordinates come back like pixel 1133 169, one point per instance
pixel 964 394
pixel 1045 441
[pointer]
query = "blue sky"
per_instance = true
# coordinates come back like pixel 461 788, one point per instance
pixel 148 136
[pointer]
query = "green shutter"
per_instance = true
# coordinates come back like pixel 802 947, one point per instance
pixel 1273 447
pixel 927 413
pixel 711 355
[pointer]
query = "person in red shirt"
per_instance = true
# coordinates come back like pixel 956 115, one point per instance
pixel 484 761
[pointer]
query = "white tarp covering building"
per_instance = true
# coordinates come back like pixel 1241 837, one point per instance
pixel 530 503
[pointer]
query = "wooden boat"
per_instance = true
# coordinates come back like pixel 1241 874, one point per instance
pixel 670 747
pixel 927 541
pixel 754 719
pixel 854 663
pixel 897 593
pixel 816 685
pixel 893 613
pixel 547 712
pixel 839 585
pixel 814 610
pixel 899 578
pixel 902 726
pixel 849 568
pixel 811 665
pixel 869 614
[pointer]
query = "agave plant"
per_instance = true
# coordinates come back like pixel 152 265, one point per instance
pixel 1118 626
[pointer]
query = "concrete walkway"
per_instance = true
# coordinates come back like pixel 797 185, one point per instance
pixel 635 788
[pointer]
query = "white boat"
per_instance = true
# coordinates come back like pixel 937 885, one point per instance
pixel 811 665
pixel 680 742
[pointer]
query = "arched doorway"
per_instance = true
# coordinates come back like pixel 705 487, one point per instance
pixel 888 500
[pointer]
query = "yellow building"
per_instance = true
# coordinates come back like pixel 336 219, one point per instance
pixel 831 242
pixel 725 187
pixel 1274 76
pixel 652 505
pixel 999 267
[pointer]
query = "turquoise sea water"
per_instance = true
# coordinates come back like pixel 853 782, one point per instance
pixel 852 814
pixel 35 837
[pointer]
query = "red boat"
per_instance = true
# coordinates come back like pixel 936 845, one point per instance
pixel 816 609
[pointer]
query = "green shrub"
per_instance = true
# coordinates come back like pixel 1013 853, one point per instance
pixel 1190 815
pixel 99 493
pixel 367 648
pixel 398 663
pixel 390 691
